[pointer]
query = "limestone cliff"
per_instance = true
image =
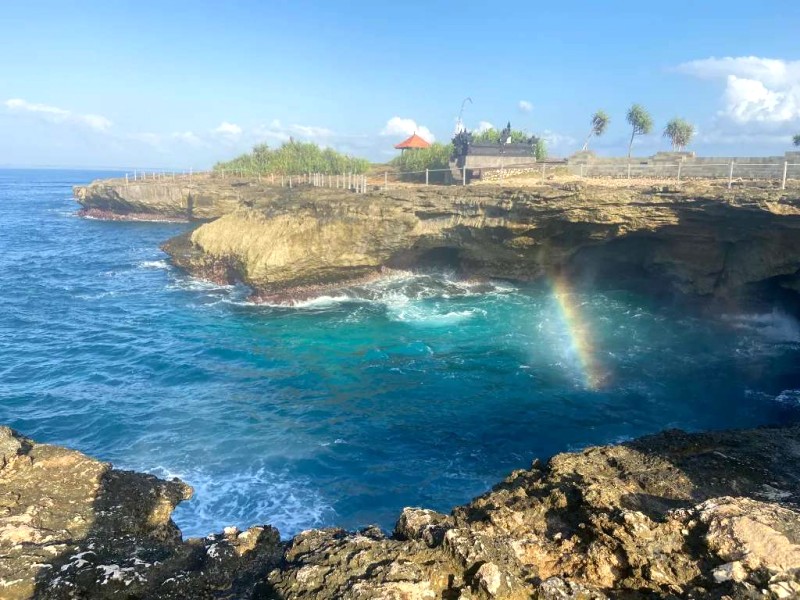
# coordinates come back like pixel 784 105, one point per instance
pixel 182 199
pixel 698 240
pixel 674 515
pixel 696 237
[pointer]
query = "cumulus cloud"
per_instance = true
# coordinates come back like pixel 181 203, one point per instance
pixel 54 114
pixel 398 126
pixel 525 106
pixel 228 129
pixel 757 90
pixel 484 126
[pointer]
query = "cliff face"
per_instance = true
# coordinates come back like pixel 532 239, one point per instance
pixel 182 199
pixel 674 515
pixel 696 240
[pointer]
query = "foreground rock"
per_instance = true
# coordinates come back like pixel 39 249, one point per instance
pixel 670 516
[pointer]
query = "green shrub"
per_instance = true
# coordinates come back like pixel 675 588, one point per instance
pixel 293 158
pixel 492 136
pixel 412 163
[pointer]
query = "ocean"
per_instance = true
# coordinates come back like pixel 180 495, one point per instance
pixel 415 390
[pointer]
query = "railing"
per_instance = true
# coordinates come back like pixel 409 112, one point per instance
pixel 730 171
pixel 540 170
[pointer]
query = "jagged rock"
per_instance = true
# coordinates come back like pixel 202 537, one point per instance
pixel 74 527
pixel 674 515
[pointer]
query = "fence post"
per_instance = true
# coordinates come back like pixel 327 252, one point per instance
pixel 785 171
pixel 629 169
pixel 679 170
pixel 426 176
pixel 543 167
pixel 730 176
pixel 385 180
pixel 581 171
pixel 464 175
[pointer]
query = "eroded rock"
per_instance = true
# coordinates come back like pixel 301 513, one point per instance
pixel 674 515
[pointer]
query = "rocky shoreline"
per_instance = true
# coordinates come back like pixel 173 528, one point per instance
pixel 107 215
pixel 694 239
pixel 674 515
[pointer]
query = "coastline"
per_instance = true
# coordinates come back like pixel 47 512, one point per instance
pixel 108 215
pixel 689 515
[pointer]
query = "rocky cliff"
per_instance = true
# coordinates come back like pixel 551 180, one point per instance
pixel 183 199
pixel 696 238
pixel 675 515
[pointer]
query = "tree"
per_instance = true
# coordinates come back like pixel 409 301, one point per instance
pixel 640 121
pixel 796 140
pixel 599 123
pixel 680 132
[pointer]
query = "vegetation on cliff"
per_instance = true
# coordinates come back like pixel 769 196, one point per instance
pixel 412 164
pixel 293 158
pixel 680 133
pixel 600 121
pixel 510 136
pixel 640 121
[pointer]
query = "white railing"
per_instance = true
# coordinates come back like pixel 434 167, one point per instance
pixel 360 183
pixel 730 171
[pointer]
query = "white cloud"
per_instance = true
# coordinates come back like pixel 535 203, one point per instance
pixel 757 90
pixel 189 137
pixel 525 106
pixel 54 114
pixel 310 131
pixel 559 144
pixel 399 126
pixel 229 129
pixel 484 126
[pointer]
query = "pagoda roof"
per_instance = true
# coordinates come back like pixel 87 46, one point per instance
pixel 413 142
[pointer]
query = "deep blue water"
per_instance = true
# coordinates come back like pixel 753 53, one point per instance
pixel 415 390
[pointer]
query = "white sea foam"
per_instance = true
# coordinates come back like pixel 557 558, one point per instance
pixel 153 264
pixel 254 496
pixel 776 326
pixel 790 397
pixel 193 284
pixel 408 297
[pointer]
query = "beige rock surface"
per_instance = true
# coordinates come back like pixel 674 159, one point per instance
pixel 710 515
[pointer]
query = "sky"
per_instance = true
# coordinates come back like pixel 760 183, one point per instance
pixel 178 85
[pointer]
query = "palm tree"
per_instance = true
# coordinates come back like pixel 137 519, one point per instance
pixel 640 121
pixel 680 132
pixel 599 124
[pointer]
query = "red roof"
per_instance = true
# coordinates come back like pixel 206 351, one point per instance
pixel 413 142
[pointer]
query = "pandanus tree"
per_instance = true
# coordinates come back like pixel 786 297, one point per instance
pixel 640 121
pixel 680 133
pixel 599 124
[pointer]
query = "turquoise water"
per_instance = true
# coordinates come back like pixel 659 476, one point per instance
pixel 415 390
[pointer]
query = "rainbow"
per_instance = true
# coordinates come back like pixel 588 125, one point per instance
pixel 595 377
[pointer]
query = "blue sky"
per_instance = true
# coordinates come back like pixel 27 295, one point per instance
pixel 178 84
